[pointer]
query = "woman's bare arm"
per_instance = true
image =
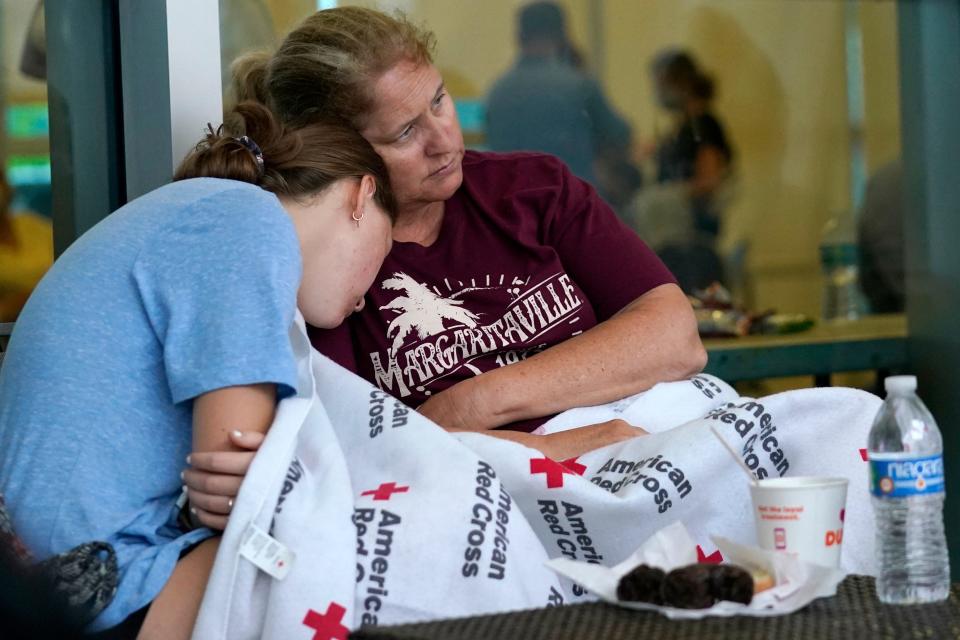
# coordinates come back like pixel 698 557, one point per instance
pixel 653 339
pixel 573 442
pixel 174 612
pixel 228 425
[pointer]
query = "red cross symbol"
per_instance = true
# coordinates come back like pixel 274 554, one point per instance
pixel 552 468
pixel 573 465
pixel 714 558
pixel 385 491
pixel 327 626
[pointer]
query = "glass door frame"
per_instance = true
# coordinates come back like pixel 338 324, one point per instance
pixel 131 86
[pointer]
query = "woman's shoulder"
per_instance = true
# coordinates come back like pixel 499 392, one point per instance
pixel 204 219
pixel 506 161
pixel 514 171
pixel 212 204
pixel 532 190
pixel 197 192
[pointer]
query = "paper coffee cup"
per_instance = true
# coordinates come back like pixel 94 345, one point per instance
pixel 801 515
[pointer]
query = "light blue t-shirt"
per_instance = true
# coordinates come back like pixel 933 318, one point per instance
pixel 187 289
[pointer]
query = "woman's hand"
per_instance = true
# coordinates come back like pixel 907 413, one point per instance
pixel 576 442
pixel 457 408
pixel 573 442
pixel 214 477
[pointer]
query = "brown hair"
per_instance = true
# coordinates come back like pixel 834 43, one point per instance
pixel 294 163
pixel 325 67
pixel 680 69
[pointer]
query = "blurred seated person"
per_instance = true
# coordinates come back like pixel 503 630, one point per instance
pixel 26 252
pixel 547 103
pixel 680 217
pixel 880 235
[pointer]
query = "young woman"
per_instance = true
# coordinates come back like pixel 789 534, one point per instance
pixel 164 329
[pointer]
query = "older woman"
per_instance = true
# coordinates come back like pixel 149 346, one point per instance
pixel 512 292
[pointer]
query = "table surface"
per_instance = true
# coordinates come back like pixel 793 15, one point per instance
pixel 872 342
pixel 873 327
pixel 853 613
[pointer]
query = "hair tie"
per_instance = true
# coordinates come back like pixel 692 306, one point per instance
pixel 253 148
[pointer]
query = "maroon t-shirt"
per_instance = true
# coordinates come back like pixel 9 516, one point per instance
pixel 528 256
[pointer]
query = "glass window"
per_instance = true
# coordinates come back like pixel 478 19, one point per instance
pixel 796 104
pixel 26 237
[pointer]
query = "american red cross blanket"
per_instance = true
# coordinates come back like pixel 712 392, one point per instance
pixel 359 511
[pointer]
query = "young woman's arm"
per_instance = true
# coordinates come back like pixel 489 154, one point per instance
pixel 174 611
pixel 228 427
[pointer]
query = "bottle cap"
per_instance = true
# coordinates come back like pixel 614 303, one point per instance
pixel 900 384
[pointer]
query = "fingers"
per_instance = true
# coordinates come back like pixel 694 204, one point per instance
pixel 224 462
pixel 210 510
pixel 621 433
pixel 575 442
pixel 249 440
pixel 235 462
pixel 627 430
pixel 208 519
pixel 214 477
pixel 211 483
pixel 616 430
pixel 212 504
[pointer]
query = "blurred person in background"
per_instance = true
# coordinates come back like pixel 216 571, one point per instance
pixel 547 103
pixel 681 216
pixel 880 236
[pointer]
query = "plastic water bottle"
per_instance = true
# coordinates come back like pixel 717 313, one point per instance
pixel 839 263
pixel 906 480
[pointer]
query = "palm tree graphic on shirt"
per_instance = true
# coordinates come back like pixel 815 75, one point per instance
pixel 422 310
